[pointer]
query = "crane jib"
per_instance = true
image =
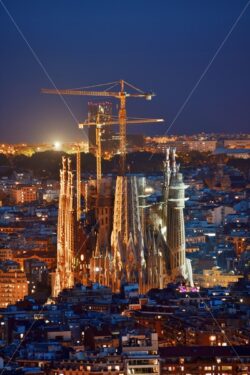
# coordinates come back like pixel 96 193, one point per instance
pixel 81 93
pixel 94 93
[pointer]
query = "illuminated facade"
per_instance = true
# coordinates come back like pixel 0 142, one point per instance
pixel 13 286
pixel 156 259
pixel 214 277
pixel 100 260
pixel 24 194
pixel 100 265
pixel 151 255
pixel 127 245
pixel 180 266
pixel 66 231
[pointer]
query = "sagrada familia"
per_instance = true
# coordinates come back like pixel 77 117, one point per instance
pixel 132 244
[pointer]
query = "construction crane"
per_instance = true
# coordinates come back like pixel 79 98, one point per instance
pixel 121 95
pixel 99 123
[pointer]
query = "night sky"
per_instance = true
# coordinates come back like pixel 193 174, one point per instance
pixel 159 45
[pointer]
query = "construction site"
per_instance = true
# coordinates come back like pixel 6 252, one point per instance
pixel 107 232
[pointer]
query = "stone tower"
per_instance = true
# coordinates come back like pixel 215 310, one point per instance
pixel 180 267
pixel 127 247
pixel 66 235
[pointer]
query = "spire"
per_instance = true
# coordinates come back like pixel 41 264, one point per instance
pixel 167 178
pixel 127 245
pixel 166 166
pixel 174 167
pixel 179 267
pixel 64 276
pixel 167 157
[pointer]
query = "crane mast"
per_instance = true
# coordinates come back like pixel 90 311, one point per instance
pixel 98 153
pixel 122 128
pixel 78 184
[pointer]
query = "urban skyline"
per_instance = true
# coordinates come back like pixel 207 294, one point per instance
pixel 124 249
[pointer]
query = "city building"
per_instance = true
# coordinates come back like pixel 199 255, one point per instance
pixel 13 286
pixel 24 194
pixel 202 145
pixel 140 351
pixel 205 360
pixel 214 277
pixel 237 143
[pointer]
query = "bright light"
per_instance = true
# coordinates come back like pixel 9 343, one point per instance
pixel 57 145
pixel 149 189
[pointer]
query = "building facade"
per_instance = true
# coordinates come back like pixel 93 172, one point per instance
pixel 66 231
pixel 13 286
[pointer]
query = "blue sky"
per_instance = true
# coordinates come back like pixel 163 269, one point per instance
pixel 160 45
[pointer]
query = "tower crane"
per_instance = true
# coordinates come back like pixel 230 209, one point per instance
pixel 99 123
pixel 121 95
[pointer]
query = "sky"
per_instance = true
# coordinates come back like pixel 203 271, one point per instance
pixel 158 45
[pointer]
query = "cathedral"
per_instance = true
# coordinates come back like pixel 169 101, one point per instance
pixel 148 252
pixel 131 245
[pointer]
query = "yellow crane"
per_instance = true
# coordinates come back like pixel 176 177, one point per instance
pixel 99 123
pixel 121 95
